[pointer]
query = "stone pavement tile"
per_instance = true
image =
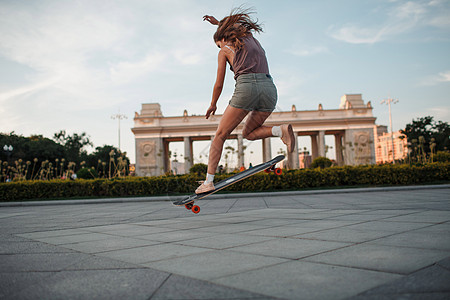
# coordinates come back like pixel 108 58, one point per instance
pixel 289 248
pixel 223 241
pixel 179 287
pixel 389 212
pixel 142 255
pixel 232 219
pixel 274 222
pixel 39 262
pixel 423 240
pixel 388 226
pixel 213 264
pixel 191 224
pixel 360 217
pixel 329 223
pixel 281 231
pixel 92 262
pixel 160 223
pixel 97 284
pixel 52 233
pixel 231 228
pixel 430 281
pixel 401 260
pixel 12 283
pixel 112 228
pixel 252 203
pixel 303 280
pixel 443 228
pixel 278 212
pixel 420 296
pixel 112 243
pixel 29 247
pixel 5 237
pixel 138 230
pixel 75 238
pixel 344 234
pixel 445 263
pixel 175 236
pixel 424 217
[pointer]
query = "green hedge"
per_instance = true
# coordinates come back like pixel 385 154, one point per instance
pixel 375 175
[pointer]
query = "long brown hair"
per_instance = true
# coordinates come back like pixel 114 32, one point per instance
pixel 236 26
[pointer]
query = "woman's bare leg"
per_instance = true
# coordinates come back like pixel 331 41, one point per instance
pixel 231 118
pixel 254 129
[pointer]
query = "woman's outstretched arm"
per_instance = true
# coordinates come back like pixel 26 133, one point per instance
pixel 218 86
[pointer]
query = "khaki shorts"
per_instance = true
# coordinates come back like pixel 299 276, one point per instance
pixel 254 92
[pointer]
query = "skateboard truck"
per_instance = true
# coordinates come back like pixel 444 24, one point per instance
pixel 272 168
pixel 195 208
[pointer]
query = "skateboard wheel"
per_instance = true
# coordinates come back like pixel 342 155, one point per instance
pixel 188 206
pixel 196 209
pixel 278 171
pixel 267 170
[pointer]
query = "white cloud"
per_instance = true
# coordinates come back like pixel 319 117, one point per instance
pixel 437 79
pixel 124 72
pixel 396 20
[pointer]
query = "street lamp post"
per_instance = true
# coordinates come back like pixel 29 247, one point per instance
pixel 388 102
pixel 8 150
pixel 119 117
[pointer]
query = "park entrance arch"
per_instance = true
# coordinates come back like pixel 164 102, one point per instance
pixel 353 127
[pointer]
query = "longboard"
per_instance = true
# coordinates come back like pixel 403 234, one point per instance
pixel 269 166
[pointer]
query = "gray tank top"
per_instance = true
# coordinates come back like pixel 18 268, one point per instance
pixel 251 58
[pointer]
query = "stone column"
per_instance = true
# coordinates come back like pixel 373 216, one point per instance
pixel 267 149
pixel 314 147
pixel 240 142
pixel 165 167
pixel 188 155
pixel 321 143
pixel 338 144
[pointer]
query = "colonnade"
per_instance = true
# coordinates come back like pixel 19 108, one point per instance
pixel 352 126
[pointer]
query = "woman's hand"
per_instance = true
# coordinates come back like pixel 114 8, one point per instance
pixel 211 110
pixel 211 20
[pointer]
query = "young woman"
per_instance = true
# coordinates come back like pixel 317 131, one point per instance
pixel 255 93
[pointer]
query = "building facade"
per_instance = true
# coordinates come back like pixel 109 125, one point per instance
pixel 352 125
pixel 389 145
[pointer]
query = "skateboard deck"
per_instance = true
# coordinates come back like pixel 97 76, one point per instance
pixel 269 166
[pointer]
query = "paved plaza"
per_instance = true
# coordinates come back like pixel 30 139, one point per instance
pixel 380 243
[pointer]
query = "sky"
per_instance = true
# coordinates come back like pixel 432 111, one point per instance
pixel 71 65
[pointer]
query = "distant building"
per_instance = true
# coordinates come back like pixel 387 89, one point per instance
pixel 384 140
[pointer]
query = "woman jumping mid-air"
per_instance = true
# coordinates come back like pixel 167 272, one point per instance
pixel 255 93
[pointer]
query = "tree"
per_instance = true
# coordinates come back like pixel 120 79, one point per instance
pixel 426 136
pixel 74 144
pixel 108 161
pixel 321 162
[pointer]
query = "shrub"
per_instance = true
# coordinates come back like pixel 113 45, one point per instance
pixel 199 169
pixel 373 175
pixel 442 156
pixel 87 173
pixel 321 162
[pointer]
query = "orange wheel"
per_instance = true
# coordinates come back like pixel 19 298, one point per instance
pixel 188 206
pixel 267 170
pixel 196 209
pixel 278 171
